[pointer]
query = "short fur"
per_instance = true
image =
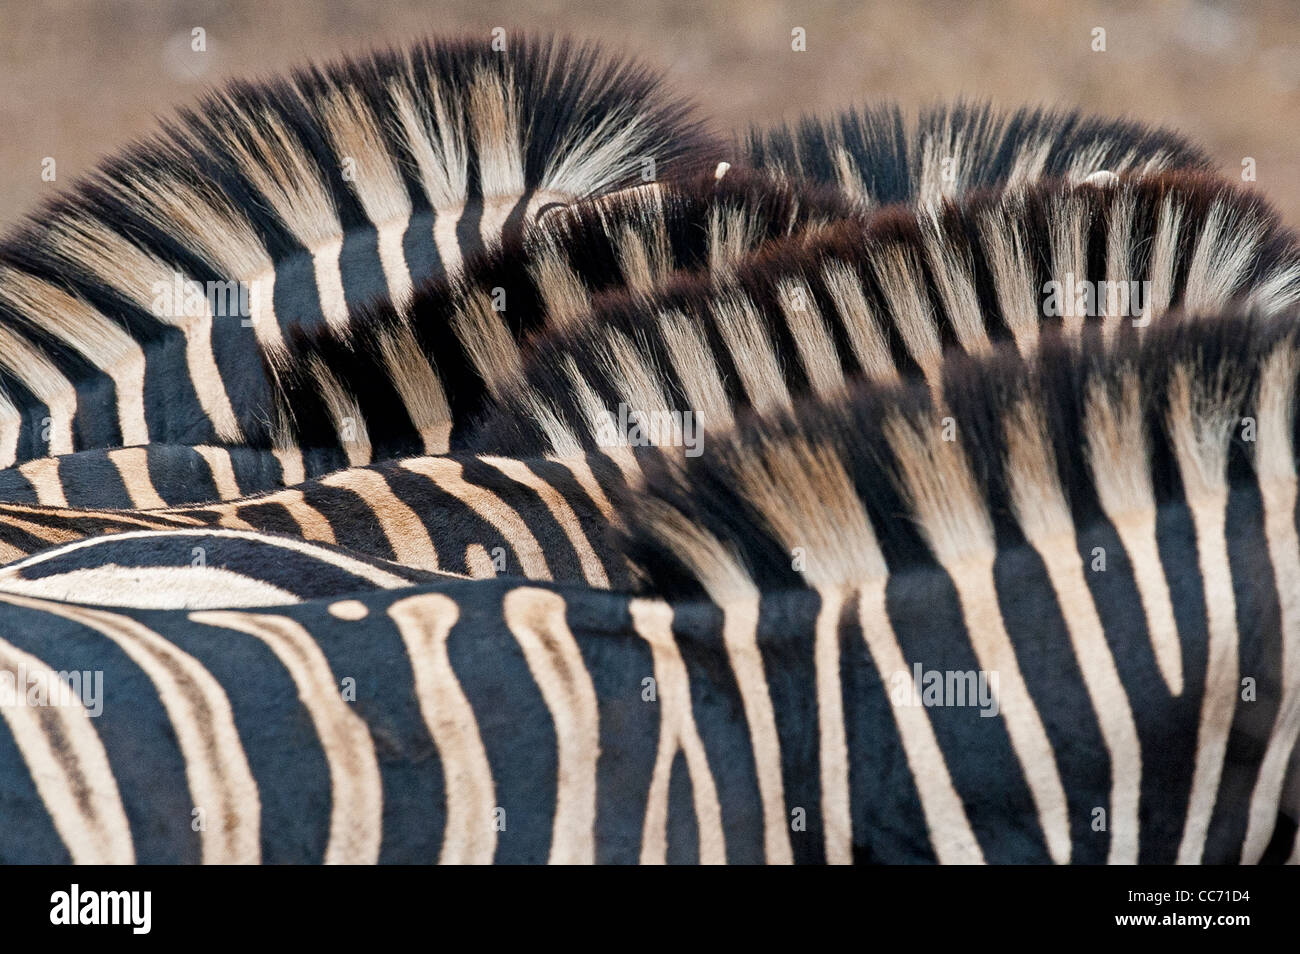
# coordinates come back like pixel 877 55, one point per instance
pixel 996 490
pixel 425 513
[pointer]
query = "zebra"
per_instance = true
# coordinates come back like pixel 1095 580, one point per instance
pixel 428 511
pixel 1202 242
pixel 294 201
pixel 331 180
pixel 634 241
pixel 893 429
pixel 1161 455
pixel 733 207
pixel 142 476
pixel 746 706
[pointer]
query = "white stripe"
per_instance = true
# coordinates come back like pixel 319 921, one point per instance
pixel 206 377
pixel 987 632
pixel 261 314
pixel 652 621
pixel 43 474
pixel 445 239
pixel 356 815
pixel 329 283
pixel 401 525
pixel 367 572
pixel 1219 700
pixel 310 521
pixel 71 772
pixel 392 259
pixel 1202 416
pixel 740 635
pixel 425 623
pixel 833 749
pixel 132 465
pixel 221 469
pixel 536 620
pixel 951 836
pixel 496 209
pixel 292 471
pixel 149 587
pixel 1136 530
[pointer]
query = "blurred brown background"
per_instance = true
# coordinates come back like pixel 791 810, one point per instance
pixel 80 78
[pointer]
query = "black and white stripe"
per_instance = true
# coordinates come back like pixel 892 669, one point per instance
pixel 774 687
pixel 879 157
pixel 894 297
pixel 471 516
pixel 316 193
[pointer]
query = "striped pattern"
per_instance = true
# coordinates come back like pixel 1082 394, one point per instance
pixel 409 378
pixel 890 573
pixel 898 297
pixel 877 156
pixel 1071 640
pixel 556 715
pixel 543 518
pixel 859 296
pixel 983 549
pixel 140 306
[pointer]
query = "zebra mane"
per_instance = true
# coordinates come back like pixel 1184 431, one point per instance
pixel 441 125
pixel 314 192
pixel 892 297
pixel 638 241
pixel 837 493
pixel 873 154
pixel 405 373
pixel 884 295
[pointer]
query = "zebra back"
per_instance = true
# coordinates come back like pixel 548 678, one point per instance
pixel 761 704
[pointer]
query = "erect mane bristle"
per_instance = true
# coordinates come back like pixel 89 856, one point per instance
pixel 639 240
pixel 873 154
pixel 899 293
pixel 840 295
pixel 277 189
pixel 583 123
pixel 991 464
